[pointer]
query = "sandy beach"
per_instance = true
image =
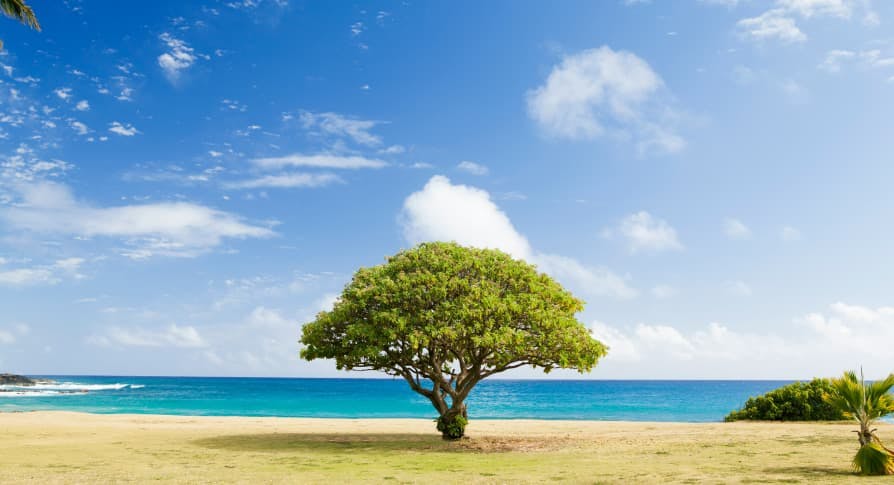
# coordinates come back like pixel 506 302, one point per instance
pixel 65 447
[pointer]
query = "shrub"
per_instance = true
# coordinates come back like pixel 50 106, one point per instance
pixel 799 401
pixel 873 459
pixel 452 427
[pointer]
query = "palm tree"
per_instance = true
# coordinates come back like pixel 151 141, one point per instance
pixel 20 11
pixel 865 403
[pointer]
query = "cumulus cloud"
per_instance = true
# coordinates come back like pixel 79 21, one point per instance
pixel 770 25
pixel 83 105
pixel 736 229
pixel 167 228
pixel 816 344
pixel 63 93
pixel 118 128
pixel 79 127
pixel 601 92
pixel 443 211
pixel 711 351
pixel 645 233
pixel 179 56
pixel 320 160
pixel 472 168
pixel 779 22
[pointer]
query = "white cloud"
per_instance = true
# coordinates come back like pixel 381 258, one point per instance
pixel 123 130
pixel 645 233
pixel 167 228
pixel 442 211
pixel 472 168
pixel 63 93
pixel 291 180
pixel 790 234
pixel 772 25
pixel 78 127
pixel 836 59
pixel 48 274
pixel 736 229
pixel 724 3
pixel 321 160
pixel 83 105
pixel 172 336
pixel 7 337
pixel 393 150
pixel 180 56
pixel 738 288
pixel 266 317
pixel 334 124
pixel 821 343
pixel 601 92
pixel 818 8
pixel 778 23
pixel 663 291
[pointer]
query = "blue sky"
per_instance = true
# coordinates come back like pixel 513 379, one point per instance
pixel 183 184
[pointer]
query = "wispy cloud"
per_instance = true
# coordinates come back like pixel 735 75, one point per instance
pixel 167 229
pixel 320 160
pixel 289 180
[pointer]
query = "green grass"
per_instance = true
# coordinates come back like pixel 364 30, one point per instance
pixel 49 448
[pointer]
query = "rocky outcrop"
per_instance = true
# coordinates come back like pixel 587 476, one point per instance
pixel 16 380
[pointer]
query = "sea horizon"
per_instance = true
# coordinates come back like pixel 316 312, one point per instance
pixel 382 397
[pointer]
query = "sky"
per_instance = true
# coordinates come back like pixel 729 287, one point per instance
pixel 184 184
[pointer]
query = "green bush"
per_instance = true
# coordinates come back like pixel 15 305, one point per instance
pixel 452 427
pixel 800 401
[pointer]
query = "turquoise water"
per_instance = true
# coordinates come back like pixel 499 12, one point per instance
pixel 691 401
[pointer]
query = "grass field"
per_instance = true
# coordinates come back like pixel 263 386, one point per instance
pixel 59 447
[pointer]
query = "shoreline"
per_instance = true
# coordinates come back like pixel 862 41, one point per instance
pixel 190 417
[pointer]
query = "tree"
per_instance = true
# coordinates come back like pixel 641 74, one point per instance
pixel 866 403
pixel 444 317
pixel 19 10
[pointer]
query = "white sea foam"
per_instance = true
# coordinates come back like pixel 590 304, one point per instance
pixel 61 388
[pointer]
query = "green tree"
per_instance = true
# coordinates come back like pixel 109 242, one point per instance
pixel 864 403
pixel 19 10
pixel 443 317
pixel 798 401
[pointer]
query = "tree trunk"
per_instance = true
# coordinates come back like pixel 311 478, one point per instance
pixel 452 422
pixel 865 435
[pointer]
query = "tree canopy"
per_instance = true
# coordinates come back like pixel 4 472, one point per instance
pixel 443 317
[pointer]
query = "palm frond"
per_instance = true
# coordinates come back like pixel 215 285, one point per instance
pixel 19 10
pixel 872 459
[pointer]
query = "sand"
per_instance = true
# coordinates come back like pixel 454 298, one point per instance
pixel 64 447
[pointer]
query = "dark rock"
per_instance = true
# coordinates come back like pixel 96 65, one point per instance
pixel 16 380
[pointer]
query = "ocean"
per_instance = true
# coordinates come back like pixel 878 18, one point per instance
pixel 686 401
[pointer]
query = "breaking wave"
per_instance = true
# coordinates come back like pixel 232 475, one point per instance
pixel 60 389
